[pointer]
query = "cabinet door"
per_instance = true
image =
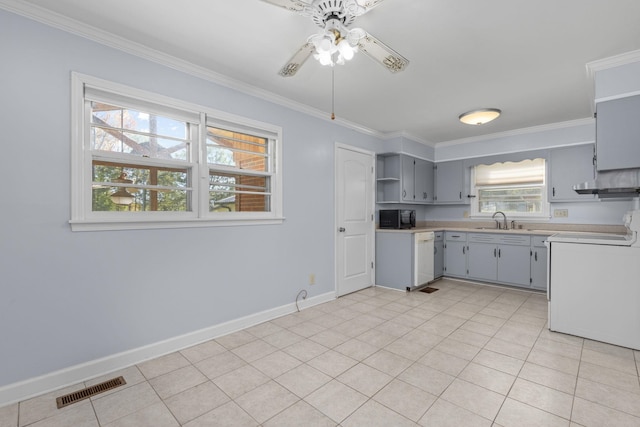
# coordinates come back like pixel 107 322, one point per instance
pixel 482 261
pixel 514 265
pixel 438 258
pixel 423 181
pixel 617 133
pixel 408 179
pixel 456 258
pixel 539 267
pixel 568 167
pixel 449 182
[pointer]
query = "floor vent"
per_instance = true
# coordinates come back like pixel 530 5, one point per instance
pixel 86 393
pixel 428 289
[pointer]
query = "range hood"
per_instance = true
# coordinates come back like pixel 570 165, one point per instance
pixel 622 183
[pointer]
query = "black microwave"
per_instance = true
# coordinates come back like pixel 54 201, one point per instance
pixel 397 218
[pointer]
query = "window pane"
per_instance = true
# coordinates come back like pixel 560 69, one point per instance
pixel 106 197
pixel 238 193
pixel 121 130
pixel 511 200
pixel 237 150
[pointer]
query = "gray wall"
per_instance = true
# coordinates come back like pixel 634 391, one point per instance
pixel 72 297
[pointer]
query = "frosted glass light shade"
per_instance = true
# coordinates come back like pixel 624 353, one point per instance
pixel 480 117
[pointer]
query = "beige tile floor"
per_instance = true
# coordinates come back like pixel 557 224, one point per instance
pixel 466 355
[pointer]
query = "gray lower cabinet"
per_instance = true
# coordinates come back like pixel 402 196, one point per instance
pixel 438 254
pixel 514 264
pixel 482 256
pixel 455 254
pixel 499 258
pixel 394 259
pixel 538 263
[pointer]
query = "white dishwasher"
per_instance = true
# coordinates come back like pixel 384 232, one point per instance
pixel 424 254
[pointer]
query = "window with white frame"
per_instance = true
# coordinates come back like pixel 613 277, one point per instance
pixel 142 160
pixel 516 188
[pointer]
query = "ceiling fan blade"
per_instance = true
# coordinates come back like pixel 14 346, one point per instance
pixel 296 61
pixel 360 7
pixel 382 53
pixel 292 5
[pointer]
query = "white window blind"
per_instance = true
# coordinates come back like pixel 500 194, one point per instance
pixel 510 173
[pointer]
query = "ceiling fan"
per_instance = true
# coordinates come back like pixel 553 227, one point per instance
pixel 337 42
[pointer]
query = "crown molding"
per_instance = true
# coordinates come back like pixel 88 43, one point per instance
pixel 517 132
pixel 613 61
pixel 80 29
pixel 402 134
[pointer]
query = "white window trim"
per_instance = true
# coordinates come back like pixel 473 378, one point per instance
pixel 546 206
pixel 83 219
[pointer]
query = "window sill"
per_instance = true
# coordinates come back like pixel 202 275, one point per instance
pixel 146 224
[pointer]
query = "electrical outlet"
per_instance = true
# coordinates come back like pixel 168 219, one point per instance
pixel 560 213
pixel 312 279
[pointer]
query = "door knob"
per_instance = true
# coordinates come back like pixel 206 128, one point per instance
pixel 342 229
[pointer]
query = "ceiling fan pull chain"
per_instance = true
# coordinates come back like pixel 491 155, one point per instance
pixel 333 93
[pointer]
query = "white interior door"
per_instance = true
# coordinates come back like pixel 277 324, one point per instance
pixel 354 219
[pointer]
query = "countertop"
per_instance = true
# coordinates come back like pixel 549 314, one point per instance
pixel 468 230
pixel 529 229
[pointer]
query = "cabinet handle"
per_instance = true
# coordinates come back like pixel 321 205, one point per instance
pixel 554 191
pixel 424 196
pixel 499 253
pixel 463 250
pixel 435 250
pixel 536 257
pixel 404 193
pixel 494 252
pixel 460 196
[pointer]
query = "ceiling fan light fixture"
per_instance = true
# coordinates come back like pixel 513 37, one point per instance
pixel 480 117
pixel 346 50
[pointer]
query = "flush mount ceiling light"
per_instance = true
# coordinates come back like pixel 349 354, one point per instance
pixel 480 117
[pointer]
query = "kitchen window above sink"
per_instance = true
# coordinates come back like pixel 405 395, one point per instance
pixel 516 188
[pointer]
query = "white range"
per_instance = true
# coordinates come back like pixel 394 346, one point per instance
pixel 594 285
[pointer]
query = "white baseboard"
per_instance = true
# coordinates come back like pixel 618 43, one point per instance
pixel 23 390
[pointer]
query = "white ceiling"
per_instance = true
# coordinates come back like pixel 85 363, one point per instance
pixel 527 58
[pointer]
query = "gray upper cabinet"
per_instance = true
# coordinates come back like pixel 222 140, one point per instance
pixel 403 179
pixel 451 183
pixel 423 184
pixel 408 179
pixel 618 133
pixel 570 166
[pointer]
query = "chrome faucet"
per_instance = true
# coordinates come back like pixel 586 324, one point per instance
pixel 505 224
